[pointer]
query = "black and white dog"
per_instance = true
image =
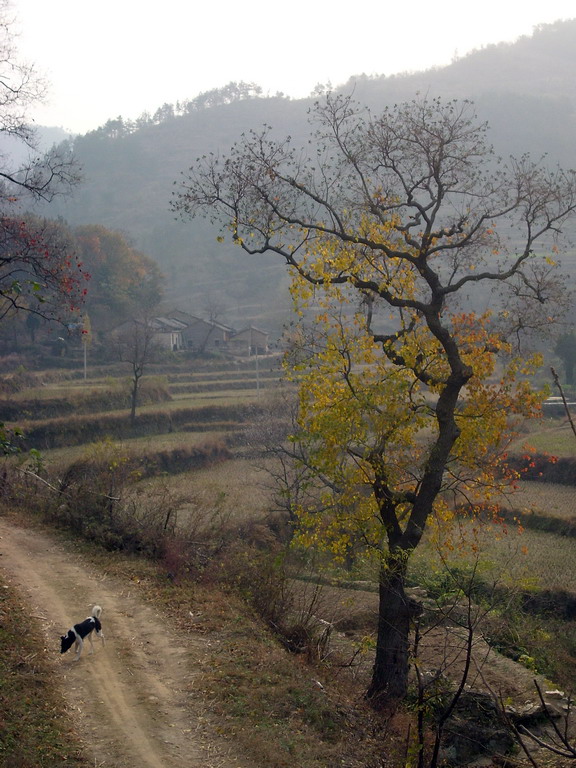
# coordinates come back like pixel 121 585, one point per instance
pixel 81 630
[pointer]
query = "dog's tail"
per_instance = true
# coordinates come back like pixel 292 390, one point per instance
pixel 96 611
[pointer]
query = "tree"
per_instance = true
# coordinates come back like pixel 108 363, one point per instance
pixel 86 335
pixel 228 94
pixel 38 273
pixel 396 228
pixel 137 347
pixel 566 350
pixel 123 279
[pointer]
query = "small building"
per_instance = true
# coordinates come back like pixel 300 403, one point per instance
pixel 168 332
pixel 164 332
pixel 249 341
pixel 203 335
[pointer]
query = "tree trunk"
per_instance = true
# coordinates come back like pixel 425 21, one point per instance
pixel 395 613
pixel 133 400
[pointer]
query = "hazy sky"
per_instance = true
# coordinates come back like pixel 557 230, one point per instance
pixel 122 57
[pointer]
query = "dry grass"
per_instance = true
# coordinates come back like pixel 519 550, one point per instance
pixel 508 555
pixel 224 397
pixel 552 436
pixel 274 707
pixel 59 457
pixel 535 559
pixel 34 722
pixel 545 498
pixel 237 490
pixel 237 487
pixel 60 391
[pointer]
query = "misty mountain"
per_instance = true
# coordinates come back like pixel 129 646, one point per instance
pixel 525 91
pixel 19 152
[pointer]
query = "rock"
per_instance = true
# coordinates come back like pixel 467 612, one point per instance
pixel 532 714
pixel 476 730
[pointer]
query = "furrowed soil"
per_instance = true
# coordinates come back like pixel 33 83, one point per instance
pixel 135 701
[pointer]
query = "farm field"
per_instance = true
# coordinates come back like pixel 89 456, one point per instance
pixel 59 456
pixel 238 483
pixel 550 436
pixel 545 498
pixel 237 489
pixel 192 461
pixel 509 555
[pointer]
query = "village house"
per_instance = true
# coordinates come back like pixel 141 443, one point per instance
pixel 203 335
pixel 168 332
pixel 180 330
pixel 164 331
pixel 249 341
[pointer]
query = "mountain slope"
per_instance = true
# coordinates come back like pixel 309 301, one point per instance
pixel 524 90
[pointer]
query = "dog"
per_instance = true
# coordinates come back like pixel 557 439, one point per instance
pixel 83 629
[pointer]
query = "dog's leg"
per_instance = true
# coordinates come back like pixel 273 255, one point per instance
pixel 91 643
pixel 79 646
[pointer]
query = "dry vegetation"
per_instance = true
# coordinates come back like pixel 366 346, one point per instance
pixel 221 507
pixel 548 436
pixel 553 499
pixel 34 723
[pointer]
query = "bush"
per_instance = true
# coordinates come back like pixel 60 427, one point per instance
pixel 99 498
pixel 103 499
pixel 17 381
pixel 287 605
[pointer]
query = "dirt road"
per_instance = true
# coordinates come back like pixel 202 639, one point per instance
pixel 135 701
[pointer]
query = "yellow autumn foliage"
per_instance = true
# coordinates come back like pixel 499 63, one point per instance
pixel 368 400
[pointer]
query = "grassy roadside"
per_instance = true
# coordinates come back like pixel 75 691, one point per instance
pixel 35 729
pixel 275 707
pixel 279 709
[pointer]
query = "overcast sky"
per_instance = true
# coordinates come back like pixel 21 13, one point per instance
pixel 122 57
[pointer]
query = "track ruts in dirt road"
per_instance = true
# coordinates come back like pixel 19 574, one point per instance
pixel 134 700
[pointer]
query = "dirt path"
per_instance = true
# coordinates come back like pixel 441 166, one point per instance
pixel 135 700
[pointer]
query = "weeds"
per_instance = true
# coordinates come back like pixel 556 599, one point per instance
pixel 284 709
pixel 34 724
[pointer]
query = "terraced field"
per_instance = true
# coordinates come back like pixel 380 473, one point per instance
pixel 214 406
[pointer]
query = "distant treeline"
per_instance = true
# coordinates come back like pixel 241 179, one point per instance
pixel 215 97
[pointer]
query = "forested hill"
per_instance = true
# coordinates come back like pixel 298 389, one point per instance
pixel 526 91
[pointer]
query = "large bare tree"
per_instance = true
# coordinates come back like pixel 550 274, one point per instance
pixel 410 212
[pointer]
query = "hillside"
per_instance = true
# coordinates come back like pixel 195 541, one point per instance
pixel 524 90
pixel 198 612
